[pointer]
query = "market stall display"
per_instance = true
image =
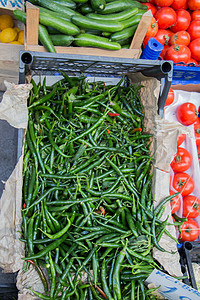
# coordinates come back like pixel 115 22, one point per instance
pixel 93 148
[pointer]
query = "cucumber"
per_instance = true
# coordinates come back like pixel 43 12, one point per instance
pixel 62 10
pixel 135 20
pixel 87 23
pixel 123 34
pixel 42 31
pixel 86 9
pixel 126 14
pixel 90 40
pixel 61 25
pixel 98 5
pixel 120 5
pixel 53 13
pixel 20 15
pixel 69 3
pixel 45 40
pixel 61 39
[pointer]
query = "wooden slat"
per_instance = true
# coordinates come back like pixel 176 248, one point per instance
pixel 123 53
pixel 141 30
pixel 32 24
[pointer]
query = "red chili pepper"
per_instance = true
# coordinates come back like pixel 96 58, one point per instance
pixel 101 292
pixel 137 129
pixel 24 205
pixel 113 114
pixel 108 131
pixel 102 209
pixel 31 261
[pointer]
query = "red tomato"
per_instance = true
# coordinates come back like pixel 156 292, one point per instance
pixel 182 182
pixel 192 61
pixel 181 139
pixel 194 47
pixel 178 53
pixel 166 17
pixel 180 38
pixel 175 202
pixel 198 151
pixel 170 97
pixel 166 47
pixel 163 2
pixel 191 206
pixel 183 19
pixel 150 7
pixel 190 231
pixel 152 1
pixel 162 36
pixel 197 133
pixel 195 15
pixel 194 29
pixel 177 4
pixel 193 4
pixel 152 29
pixel 182 160
pixel 187 113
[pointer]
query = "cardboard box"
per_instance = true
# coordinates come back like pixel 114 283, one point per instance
pixel 28 279
pixel 134 52
pixel 11 5
pixel 9 56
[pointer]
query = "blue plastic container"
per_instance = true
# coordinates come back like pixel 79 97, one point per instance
pixel 152 49
pixel 185 74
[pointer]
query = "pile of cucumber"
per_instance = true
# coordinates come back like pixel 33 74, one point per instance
pixel 107 24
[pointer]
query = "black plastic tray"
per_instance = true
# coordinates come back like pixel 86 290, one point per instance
pixel 39 63
pixel 189 253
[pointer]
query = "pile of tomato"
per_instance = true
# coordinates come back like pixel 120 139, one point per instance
pixel 176 25
pixel 187 114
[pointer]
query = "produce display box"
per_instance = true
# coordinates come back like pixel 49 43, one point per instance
pixel 31 44
pixel 48 64
pixel 9 54
pixel 189 255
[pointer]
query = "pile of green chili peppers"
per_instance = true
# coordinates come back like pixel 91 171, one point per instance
pixel 88 212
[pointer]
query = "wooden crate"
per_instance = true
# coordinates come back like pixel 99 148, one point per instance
pixel 9 56
pixel 31 44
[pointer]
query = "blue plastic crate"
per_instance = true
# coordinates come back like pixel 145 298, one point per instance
pixel 185 74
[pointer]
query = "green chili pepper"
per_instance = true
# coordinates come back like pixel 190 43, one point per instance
pixel 62 231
